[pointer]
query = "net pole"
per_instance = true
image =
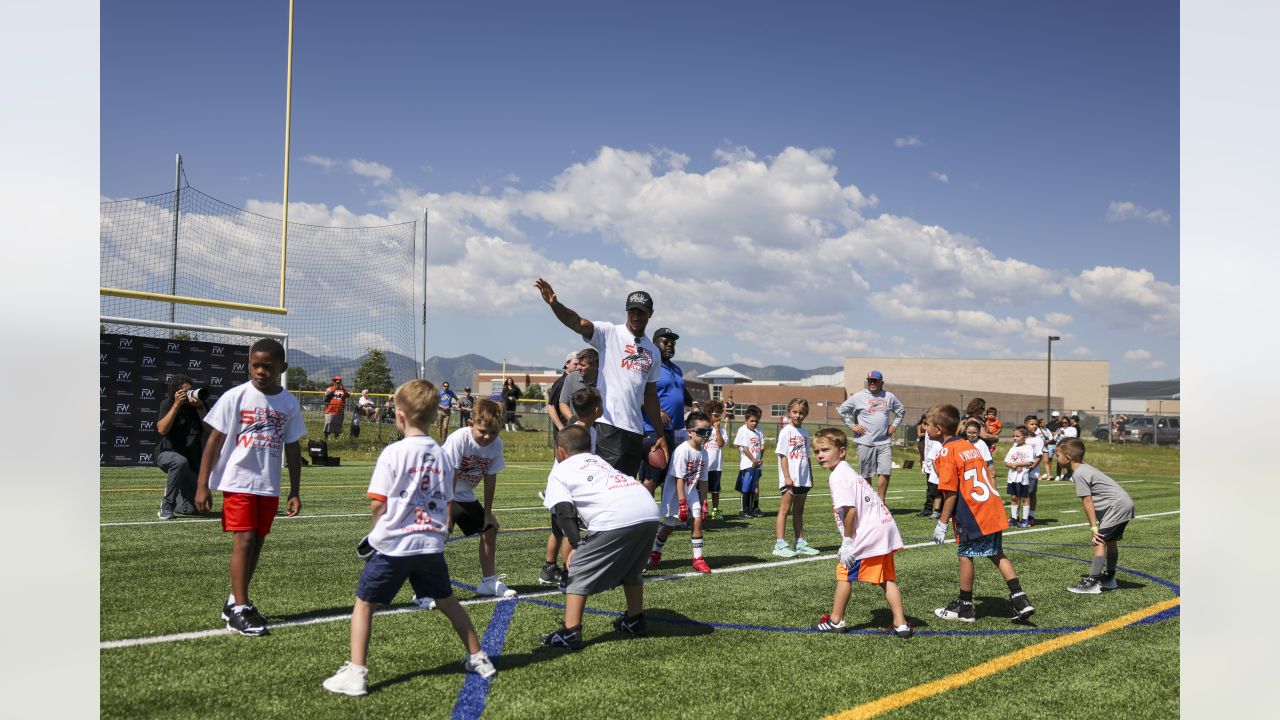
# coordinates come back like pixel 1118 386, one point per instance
pixel 426 230
pixel 177 205
pixel 288 108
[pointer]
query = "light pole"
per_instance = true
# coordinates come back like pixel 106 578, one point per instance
pixel 1048 378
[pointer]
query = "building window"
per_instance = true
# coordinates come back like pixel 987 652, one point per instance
pixel 778 409
pixel 715 392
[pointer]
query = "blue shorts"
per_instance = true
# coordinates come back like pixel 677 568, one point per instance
pixel 713 480
pixel 1017 490
pixel 748 480
pixel 984 546
pixel 384 575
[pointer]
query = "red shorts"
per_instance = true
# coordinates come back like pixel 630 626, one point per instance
pixel 875 570
pixel 243 511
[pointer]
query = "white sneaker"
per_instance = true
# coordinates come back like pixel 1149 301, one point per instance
pixel 494 586
pixel 425 603
pixel 349 680
pixel 479 664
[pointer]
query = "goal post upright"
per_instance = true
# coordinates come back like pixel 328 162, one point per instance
pixel 288 109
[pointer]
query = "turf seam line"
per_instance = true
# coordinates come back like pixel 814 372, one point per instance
pixel 950 682
pixel 199 634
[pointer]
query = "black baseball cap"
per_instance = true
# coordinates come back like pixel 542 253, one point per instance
pixel 640 300
pixel 666 332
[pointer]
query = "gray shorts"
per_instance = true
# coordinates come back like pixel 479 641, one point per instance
pixel 333 423
pixel 875 460
pixel 610 558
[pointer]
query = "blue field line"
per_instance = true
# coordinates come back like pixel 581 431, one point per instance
pixel 474 694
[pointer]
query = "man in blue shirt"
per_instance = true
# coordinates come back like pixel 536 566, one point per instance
pixel 672 398
pixel 447 400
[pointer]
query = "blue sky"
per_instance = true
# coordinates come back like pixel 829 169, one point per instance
pixel 793 184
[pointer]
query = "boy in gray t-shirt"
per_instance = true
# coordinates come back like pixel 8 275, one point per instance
pixel 1109 509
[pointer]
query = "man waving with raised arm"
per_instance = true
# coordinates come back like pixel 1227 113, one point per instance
pixel 627 378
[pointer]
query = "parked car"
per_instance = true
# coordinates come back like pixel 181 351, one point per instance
pixel 1149 430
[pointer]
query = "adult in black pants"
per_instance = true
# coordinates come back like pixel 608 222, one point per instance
pixel 178 451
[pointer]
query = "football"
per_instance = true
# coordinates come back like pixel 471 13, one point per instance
pixel 658 457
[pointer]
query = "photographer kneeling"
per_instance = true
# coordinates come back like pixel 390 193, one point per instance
pixel 180 426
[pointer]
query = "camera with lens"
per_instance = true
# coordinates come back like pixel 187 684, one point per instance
pixel 198 395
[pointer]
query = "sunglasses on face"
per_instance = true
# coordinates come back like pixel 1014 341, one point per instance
pixel 703 432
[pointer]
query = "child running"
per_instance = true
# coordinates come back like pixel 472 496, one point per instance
pixel 681 498
pixel 795 479
pixel 979 517
pixel 869 536
pixel 1020 459
pixel 1109 509
pixel 411 495
pixel 253 428
pixel 750 444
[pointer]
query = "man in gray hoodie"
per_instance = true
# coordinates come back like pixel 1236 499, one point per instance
pixel 873 414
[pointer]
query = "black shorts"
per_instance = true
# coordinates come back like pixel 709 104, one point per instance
pixel 1113 533
pixel 622 449
pixel 469 516
pixel 795 489
pixel 713 480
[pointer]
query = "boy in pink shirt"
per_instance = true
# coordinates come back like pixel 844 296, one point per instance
pixel 870 536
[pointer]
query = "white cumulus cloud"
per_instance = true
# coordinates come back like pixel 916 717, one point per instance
pixel 940 177
pixel 377 172
pixel 1137 354
pixel 908 141
pixel 1121 211
pixel 1127 299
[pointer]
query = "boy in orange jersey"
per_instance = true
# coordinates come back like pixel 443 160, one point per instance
pixel 979 516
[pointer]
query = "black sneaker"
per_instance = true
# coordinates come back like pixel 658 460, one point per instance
pixel 564 581
pixel 563 638
pixel 924 513
pixel 825 624
pixel 1087 585
pixel 550 574
pixel 247 622
pixel 633 626
pixel 1021 606
pixel 961 610
pixel 226 610
pixel 903 631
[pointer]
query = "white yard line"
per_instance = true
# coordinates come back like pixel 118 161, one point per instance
pixel 200 634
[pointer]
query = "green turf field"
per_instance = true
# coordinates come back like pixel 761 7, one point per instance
pixel 732 644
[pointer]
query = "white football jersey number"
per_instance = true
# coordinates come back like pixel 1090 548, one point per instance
pixel 982 487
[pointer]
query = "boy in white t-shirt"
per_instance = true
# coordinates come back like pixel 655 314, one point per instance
pixel 681 498
pixel 715 456
pixel 617 518
pixel 795 479
pixel 1036 438
pixel 869 536
pixel 411 493
pixel 586 406
pixel 932 448
pixel 475 453
pixel 1020 460
pixel 750 444
pixel 254 427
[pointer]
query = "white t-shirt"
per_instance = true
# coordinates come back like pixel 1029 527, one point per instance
pixel 1037 445
pixel 715 454
pixel 687 466
pixel 1069 431
pixel 257 427
pixel 1021 453
pixel 932 448
pixel 753 440
pixel 365 402
pixel 604 498
pixel 793 449
pixel 984 451
pixel 414 478
pixel 876 532
pixel 471 462
pixel 627 364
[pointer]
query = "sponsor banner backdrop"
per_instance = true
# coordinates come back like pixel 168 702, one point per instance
pixel 132 374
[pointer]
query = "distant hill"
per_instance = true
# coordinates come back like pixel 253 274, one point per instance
pixel 458 371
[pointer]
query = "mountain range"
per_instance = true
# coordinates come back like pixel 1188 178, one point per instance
pixel 458 371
